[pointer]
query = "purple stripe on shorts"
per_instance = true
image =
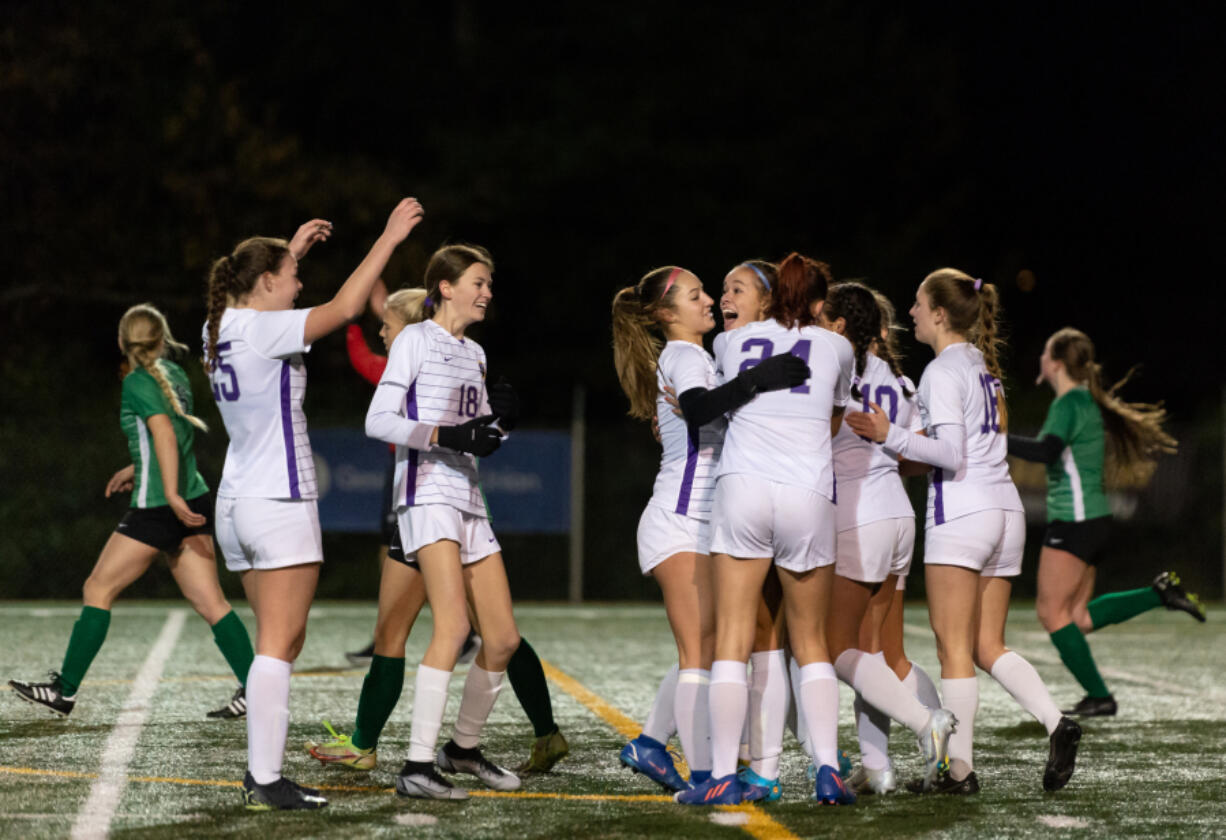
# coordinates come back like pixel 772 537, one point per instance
pixel 938 503
pixel 835 486
pixel 410 479
pixel 287 431
pixel 691 464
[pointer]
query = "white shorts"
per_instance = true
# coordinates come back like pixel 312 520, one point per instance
pixel 663 533
pixel 989 542
pixel 422 525
pixel 267 533
pixel 876 550
pixel 755 517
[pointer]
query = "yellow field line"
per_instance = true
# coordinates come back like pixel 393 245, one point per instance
pixel 760 825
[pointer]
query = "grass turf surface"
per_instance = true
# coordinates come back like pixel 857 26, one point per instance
pixel 1154 770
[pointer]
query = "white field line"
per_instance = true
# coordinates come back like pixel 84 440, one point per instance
pixel 94 819
pixel 1113 673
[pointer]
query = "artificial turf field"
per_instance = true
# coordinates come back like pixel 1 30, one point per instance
pixel 1155 770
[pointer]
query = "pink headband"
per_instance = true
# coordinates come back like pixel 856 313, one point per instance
pixel 672 275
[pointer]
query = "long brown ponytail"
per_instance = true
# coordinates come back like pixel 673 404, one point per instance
pixel 802 282
pixel 638 336
pixel 854 303
pixel 888 349
pixel 233 277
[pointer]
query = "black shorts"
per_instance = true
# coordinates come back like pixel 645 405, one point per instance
pixel 387 520
pixel 1084 540
pixel 396 551
pixel 160 528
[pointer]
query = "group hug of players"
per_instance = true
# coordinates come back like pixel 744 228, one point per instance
pixel 779 529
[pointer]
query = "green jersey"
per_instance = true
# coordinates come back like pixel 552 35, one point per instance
pixel 1075 482
pixel 142 398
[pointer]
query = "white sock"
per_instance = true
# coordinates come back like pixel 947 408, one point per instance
pixel 880 686
pixel 429 703
pixel 742 753
pixel 920 684
pixel 729 699
pixel 693 716
pixel 962 698
pixel 802 728
pixel 267 717
pixel 768 709
pixel 1021 680
pixel 819 694
pixel 480 691
pixel 873 731
pixel 661 721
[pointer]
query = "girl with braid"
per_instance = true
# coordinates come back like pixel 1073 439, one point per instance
pixel 975 528
pixel 876 532
pixel 169 513
pixel 1091 436
pixel 267 513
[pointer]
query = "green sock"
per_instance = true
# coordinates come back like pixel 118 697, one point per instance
pixel 1075 653
pixel 528 681
pixel 235 645
pixel 88 634
pixel 380 692
pixel 1115 607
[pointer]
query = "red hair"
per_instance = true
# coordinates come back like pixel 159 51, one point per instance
pixel 802 282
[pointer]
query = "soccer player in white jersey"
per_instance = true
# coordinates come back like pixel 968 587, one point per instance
pixel 267 519
pixel 975 528
pixel 876 532
pixel 774 503
pixel 658 325
pixel 432 403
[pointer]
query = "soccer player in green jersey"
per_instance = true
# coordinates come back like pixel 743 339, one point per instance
pixel 1090 433
pixel 169 513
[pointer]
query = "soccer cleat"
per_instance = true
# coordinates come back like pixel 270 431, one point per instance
pixel 933 740
pixel 468 652
pixel 726 790
pixel 340 750
pixel 361 658
pixel 235 709
pixel 547 751
pixel 945 783
pixel 649 757
pixel 420 780
pixel 830 789
pixel 755 788
pixel 1093 707
pixel 1062 754
pixel 844 768
pixel 453 758
pixel 281 795
pixel 46 694
pixel 1175 597
pixel 866 782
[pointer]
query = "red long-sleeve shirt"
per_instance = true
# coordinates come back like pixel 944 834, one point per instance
pixel 365 361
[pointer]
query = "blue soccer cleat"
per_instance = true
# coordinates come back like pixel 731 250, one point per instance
pixel 845 768
pixel 758 789
pixel 830 789
pixel 651 758
pixel 726 790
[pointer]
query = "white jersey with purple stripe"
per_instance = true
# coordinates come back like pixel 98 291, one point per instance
pixel 870 488
pixel 956 389
pixel 784 436
pixel 686 481
pixel 432 379
pixel 259 382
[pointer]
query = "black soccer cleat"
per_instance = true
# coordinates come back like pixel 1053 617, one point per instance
pixel 1062 754
pixel 1093 707
pixel 946 783
pixel 48 694
pixel 281 795
pixel 1175 597
pixel 234 710
pixel 361 658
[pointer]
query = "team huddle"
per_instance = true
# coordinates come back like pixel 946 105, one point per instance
pixel 779 528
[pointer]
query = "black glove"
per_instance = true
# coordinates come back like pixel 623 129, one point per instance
pixel 504 402
pixel 475 437
pixel 776 373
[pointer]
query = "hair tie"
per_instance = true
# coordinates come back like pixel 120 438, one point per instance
pixel 427 303
pixel 672 276
pixel 978 283
pixel 761 274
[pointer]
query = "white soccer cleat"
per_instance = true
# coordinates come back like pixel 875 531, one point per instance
pixel 454 759
pixel 933 741
pixel 865 781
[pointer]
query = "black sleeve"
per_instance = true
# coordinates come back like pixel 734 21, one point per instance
pixel 1045 450
pixel 701 406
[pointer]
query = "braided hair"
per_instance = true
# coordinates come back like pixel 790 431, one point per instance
pixel 144 336
pixel 233 277
pixel 855 304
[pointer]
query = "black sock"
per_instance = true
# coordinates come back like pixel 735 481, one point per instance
pixel 528 681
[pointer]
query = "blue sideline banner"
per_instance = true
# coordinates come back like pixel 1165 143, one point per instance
pixel 526 482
